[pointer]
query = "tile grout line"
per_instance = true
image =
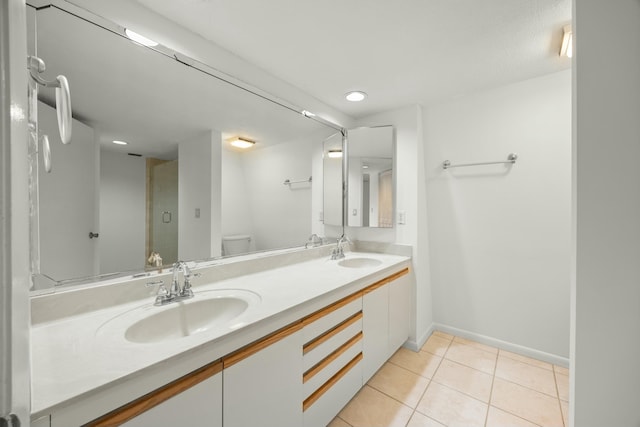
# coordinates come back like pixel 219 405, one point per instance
pixel 555 380
pixel 493 380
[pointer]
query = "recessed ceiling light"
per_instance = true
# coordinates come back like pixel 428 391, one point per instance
pixel 355 96
pixel 120 142
pixel 567 42
pixel 334 154
pixel 140 38
pixel 243 143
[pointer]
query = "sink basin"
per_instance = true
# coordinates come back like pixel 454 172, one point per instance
pixel 359 262
pixel 207 310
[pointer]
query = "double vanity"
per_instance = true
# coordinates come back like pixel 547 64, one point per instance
pixel 282 339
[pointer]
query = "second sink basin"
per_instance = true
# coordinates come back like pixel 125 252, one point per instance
pixel 360 262
pixel 207 310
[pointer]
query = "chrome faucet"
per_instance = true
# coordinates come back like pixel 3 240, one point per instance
pixel 175 292
pixel 314 240
pixel 338 251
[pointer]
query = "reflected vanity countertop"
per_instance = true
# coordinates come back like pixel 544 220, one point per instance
pixel 77 357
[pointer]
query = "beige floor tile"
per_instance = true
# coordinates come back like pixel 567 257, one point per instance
pixel 436 345
pixel 564 405
pixel 338 422
pixel 443 335
pixel 499 418
pixel 421 363
pixel 563 386
pixel 476 344
pixel 471 356
pixel 399 383
pixel 451 407
pixel 538 379
pixel 464 379
pixel 561 370
pixel 525 359
pixel 529 404
pixel 420 420
pixel 371 408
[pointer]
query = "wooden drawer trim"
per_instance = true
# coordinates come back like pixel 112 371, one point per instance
pixel 156 397
pixel 386 280
pixel 331 308
pixel 331 357
pixel 256 346
pixel 330 383
pixel 331 332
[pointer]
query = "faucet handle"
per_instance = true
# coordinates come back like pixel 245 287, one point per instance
pixel 162 296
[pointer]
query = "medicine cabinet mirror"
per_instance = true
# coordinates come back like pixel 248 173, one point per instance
pixel 105 208
pixel 370 197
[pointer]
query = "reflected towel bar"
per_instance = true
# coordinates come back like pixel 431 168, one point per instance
pixel 511 159
pixel 289 182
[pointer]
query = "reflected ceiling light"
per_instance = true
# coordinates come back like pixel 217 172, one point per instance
pixel 307 113
pixel 355 96
pixel 567 42
pixel 334 154
pixel 365 167
pixel 243 143
pixel 139 38
pixel 120 142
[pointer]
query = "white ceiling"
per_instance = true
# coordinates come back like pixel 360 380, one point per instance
pixel 399 52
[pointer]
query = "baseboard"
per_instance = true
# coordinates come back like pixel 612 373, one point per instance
pixel 416 345
pixel 514 348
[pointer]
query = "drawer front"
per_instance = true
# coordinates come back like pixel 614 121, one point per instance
pixel 324 345
pixel 319 374
pixel 320 323
pixel 320 412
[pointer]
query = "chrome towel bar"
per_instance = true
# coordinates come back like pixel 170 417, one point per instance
pixel 289 182
pixel 511 159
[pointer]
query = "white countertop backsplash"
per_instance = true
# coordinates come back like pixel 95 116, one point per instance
pixel 71 361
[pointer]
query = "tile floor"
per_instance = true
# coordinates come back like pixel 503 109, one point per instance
pixel 456 382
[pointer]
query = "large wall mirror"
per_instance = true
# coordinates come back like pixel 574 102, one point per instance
pixel 370 198
pixel 179 188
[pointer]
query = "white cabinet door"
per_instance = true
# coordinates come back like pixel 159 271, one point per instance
pixel 200 405
pixel 375 327
pixel 399 312
pixel 265 389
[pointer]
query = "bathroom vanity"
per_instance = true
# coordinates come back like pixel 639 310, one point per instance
pixel 282 340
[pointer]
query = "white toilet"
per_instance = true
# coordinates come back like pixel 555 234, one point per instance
pixel 235 244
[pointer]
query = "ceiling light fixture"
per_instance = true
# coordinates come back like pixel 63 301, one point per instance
pixel 140 38
pixel 243 143
pixel 567 42
pixel 355 96
pixel 120 142
pixel 334 154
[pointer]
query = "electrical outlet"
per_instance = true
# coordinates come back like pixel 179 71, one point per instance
pixel 402 217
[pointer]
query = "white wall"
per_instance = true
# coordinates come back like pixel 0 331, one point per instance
pixel 236 211
pixel 281 214
pixel 122 212
pixel 499 234
pixel 67 200
pixel 606 292
pixel 410 190
pixel 199 184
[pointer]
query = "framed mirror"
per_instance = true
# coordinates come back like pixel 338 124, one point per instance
pixel 370 196
pixel 178 189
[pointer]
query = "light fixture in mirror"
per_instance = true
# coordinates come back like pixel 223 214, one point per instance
pixel 176 189
pixel 370 197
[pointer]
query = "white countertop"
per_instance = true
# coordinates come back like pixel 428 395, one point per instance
pixel 71 360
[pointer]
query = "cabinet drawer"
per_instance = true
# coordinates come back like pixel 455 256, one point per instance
pixel 329 317
pixel 320 409
pixel 316 350
pixel 319 374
